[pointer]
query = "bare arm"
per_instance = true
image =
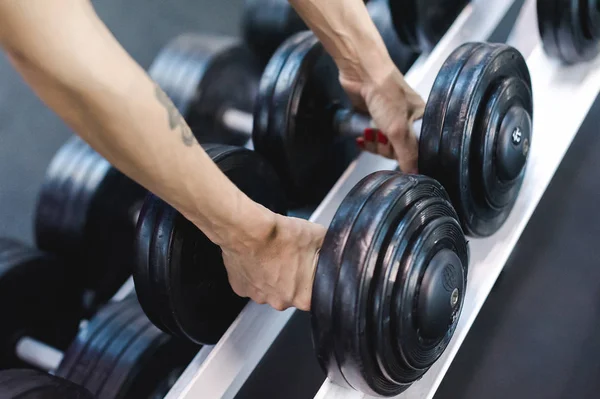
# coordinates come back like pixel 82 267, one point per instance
pixel 76 66
pixel 368 75
pixel 349 36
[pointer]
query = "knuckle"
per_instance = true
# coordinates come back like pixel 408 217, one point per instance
pixel 278 305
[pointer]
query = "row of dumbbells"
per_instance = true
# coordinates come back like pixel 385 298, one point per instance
pixel 391 276
pixel 48 349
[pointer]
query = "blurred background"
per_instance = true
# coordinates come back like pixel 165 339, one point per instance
pixel 538 335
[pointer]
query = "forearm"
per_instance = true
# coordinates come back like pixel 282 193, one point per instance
pixel 84 75
pixel 349 35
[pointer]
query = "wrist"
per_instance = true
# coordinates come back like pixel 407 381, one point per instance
pixel 248 227
pixel 371 68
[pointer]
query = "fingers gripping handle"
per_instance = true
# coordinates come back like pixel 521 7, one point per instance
pixel 353 124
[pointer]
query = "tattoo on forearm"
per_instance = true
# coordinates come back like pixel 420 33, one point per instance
pixel 176 121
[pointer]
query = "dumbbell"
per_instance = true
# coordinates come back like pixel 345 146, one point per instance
pixel 41 299
pixel 394 259
pixel 266 24
pixel 474 139
pixel 207 76
pixel 119 353
pixel 86 213
pixel 422 23
pixel 391 274
pixel 570 29
pixel 33 384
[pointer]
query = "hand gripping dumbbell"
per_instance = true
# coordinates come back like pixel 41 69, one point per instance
pixel 389 284
pixel 33 384
pixel 391 275
pixel 474 139
pixel 196 303
pixel 119 353
pixel 86 213
pixel 570 29
pixel 213 81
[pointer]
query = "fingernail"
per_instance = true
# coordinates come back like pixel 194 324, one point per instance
pixel 360 142
pixel 370 134
pixel 382 138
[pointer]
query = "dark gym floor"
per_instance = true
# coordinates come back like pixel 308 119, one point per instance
pixel 538 335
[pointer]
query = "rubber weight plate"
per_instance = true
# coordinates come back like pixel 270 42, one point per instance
pixel 180 278
pixel 121 354
pixel 389 284
pixel 203 75
pixel 86 213
pixel 267 24
pixel 421 24
pixel 482 96
pixel 40 298
pixel 294 115
pixel 570 29
pixel 32 384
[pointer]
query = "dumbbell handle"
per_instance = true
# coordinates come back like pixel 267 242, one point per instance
pixel 38 354
pixel 238 121
pixel 346 123
pixel 48 358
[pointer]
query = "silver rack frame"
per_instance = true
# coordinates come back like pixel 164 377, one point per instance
pixel 222 372
pixel 562 97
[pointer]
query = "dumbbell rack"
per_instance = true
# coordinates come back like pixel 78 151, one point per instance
pixel 562 99
pixel 222 372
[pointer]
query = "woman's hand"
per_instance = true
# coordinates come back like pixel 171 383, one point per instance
pixel 275 263
pixel 394 107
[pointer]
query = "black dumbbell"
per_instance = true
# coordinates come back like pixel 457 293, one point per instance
pixel 266 24
pixel 394 259
pixel 570 29
pixel 475 135
pixel 422 23
pixel 33 384
pixel 86 213
pixel 41 300
pixel 203 305
pixel 207 76
pixel 119 353
pixel 391 276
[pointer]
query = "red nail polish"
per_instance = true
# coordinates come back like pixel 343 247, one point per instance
pixel 382 138
pixel 370 134
pixel 360 142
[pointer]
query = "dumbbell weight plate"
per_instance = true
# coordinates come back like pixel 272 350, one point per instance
pixel 203 75
pixel 421 24
pixel 121 354
pixel 41 300
pixel 294 118
pixel 86 213
pixel 32 384
pixel 267 24
pixel 479 153
pixel 181 281
pixel 391 264
pixel 570 29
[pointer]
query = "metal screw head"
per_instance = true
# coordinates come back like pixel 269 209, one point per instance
pixel 454 297
pixel 516 136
